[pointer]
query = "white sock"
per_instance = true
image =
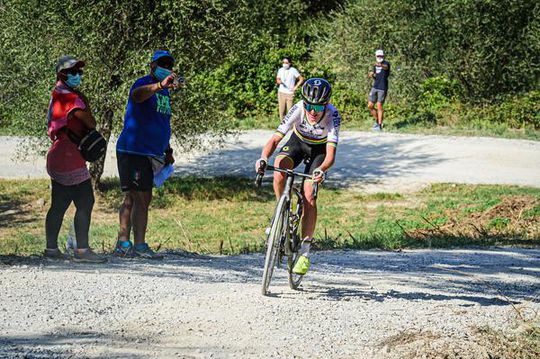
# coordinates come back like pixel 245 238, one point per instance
pixel 304 247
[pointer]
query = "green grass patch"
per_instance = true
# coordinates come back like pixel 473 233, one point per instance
pixel 228 216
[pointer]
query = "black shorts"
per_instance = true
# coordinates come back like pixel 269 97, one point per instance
pixel 298 151
pixel 135 172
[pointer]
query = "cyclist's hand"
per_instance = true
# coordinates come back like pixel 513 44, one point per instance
pixel 260 165
pixel 318 175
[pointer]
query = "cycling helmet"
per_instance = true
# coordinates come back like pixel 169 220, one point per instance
pixel 316 91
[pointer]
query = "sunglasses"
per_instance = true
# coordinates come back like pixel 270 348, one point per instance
pixel 317 108
pixel 74 71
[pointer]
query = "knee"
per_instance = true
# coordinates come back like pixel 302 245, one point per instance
pixel 128 202
pixel 142 200
pixel 370 105
pixel 279 177
pixel 379 106
pixel 309 201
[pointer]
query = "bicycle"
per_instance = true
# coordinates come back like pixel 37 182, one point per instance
pixel 283 239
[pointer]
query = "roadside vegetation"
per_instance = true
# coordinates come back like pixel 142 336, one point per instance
pixel 228 216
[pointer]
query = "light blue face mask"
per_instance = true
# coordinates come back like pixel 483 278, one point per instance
pixel 160 73
pixel 73 80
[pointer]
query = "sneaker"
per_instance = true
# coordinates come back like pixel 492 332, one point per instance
pixel 301 266
pixel 143 250
pixel 123 249
pixel 87 256
pixel 54 254
pixel 376 127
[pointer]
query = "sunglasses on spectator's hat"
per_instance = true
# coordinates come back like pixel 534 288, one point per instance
pixel 317 108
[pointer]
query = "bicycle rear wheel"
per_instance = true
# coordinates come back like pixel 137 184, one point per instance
pixel 273 242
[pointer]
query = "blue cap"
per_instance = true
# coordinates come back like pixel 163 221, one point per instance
pixel 161 53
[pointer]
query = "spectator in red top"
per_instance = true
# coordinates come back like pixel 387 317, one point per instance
pixel 70 180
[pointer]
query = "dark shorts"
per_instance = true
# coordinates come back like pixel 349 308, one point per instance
pixel 135 172
pixel 298 151
pixel 376 95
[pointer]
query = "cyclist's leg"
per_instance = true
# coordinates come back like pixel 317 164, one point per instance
pixel 309 220
pixel 289 157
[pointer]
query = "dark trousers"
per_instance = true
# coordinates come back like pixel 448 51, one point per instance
pixel 61 197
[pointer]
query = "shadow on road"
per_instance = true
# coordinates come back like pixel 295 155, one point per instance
pixel 65 344
pixel 474 277
pixel 370 160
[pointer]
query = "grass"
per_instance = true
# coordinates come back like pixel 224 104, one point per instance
pixel 228 216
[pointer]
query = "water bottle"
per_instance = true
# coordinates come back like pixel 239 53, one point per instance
pixel 71 243
pixel 161 176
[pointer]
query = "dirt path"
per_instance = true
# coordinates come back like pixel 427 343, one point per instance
pixel 376 162
pixel 354 304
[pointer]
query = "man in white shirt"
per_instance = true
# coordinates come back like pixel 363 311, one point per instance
pixel 288 78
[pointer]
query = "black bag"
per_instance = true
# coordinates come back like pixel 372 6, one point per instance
pixel 92 146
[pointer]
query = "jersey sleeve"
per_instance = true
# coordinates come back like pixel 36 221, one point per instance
pixel 292 117
pixel 296 74
pixel 333 132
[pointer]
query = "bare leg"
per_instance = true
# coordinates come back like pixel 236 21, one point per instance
pixel 309 220
pixel 140 215
pixel 125 215
pixel 371 108
pixel 380 112
pixel 279 178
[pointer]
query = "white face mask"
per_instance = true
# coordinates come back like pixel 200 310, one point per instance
pixel 286 66
pixel 380 59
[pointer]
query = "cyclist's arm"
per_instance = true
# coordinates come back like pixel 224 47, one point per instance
pixel 330 157
pixel 270 146
pixel 333 139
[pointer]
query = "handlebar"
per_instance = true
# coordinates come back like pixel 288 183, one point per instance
pixel 264 166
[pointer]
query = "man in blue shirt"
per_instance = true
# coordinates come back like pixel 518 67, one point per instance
pixel 142 150
pixel 380 73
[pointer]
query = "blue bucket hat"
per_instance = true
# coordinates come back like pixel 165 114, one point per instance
pixel 161 53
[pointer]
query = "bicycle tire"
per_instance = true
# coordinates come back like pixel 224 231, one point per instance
pixel 273 243
pixel 294 279
pixel 294 240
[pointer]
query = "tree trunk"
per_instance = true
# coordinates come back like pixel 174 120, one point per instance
pixel 105 128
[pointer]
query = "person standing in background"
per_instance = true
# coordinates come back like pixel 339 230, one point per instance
pixel 289 79
pixel 69 113
pixel 380 73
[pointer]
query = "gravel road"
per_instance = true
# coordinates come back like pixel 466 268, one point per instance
pixel 353 304
pixel 371 161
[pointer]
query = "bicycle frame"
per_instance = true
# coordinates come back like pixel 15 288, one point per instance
pixel 287 243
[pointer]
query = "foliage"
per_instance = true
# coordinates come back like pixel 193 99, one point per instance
pixel 484 49
pixel 476 58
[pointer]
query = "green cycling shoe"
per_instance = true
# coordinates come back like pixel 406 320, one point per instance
pixel 301 266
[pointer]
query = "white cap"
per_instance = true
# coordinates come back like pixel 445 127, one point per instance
pixel 379 53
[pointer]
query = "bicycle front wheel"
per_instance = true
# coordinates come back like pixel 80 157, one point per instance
pixel 273 242
pixel 294 279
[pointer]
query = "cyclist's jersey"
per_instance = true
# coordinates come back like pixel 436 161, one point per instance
pixel 324 131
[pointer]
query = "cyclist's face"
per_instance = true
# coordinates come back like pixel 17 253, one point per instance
pixel 314 112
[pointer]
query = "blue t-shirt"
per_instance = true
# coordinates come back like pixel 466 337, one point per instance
pixel 381 76
pixel 147 125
